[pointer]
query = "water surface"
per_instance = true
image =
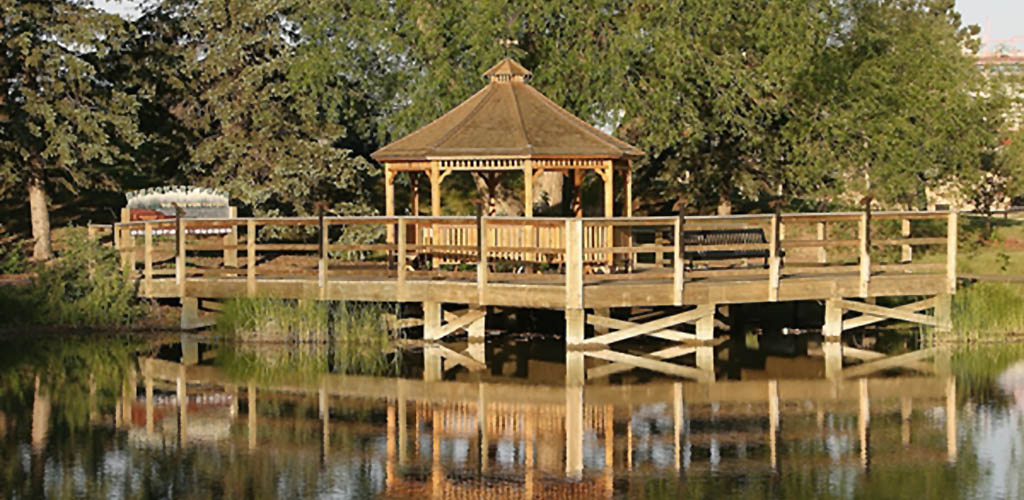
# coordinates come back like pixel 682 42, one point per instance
pixel 118 418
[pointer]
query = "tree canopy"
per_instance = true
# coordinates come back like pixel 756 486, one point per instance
pixel 280 102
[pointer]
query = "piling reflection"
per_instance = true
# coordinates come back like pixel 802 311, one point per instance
pixel 449 430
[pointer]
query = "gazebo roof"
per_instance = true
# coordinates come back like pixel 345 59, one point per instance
pixel 508 118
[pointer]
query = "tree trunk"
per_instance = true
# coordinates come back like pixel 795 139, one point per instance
pixel 547 192
pixel 40 214
pixel 506 202
pixel 724 205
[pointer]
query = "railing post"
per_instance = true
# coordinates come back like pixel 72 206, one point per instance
pixel 822 228
pixel 147 258
pixel 481 264
pixel 574 264
pixel 952 229
pixel 179 260
pixel 864 236
pixel 401 258
pixel 231 240
pixel 774 262
pixel 322 260
pixel 678 255
pixel 250 256
pixel 907 251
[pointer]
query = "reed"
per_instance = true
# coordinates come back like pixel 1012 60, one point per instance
pixel 347 338
pixel 988 311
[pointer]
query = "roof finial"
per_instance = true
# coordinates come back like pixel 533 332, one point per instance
pixel 508 42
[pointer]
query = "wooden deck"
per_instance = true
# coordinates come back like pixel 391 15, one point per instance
pixel 571 264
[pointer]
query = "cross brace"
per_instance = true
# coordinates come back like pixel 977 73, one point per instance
pixel 613 368
pixel 652 364
pixel 907 360
pixel 652 327
pixel 903 313
pixel 876 314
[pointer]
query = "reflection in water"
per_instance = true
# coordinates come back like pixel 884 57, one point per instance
pixel 585 426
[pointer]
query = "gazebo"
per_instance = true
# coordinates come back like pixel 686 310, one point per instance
pixel 509 126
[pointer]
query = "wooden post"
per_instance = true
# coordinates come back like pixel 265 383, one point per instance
pixel 822 228
pixel 189 312
pixel 528 188
pixel 951 444
pixel 705 326
pixel 401 260
pixel 679 234
pixel 573 264
pixel 481 264
pixel 147 258
pixel 628 181
pixel 773 421
pixel 609 189
pixel 907 251
pixel 609 209
pixel 230 240
pixel 389 198
pixel 150 421
pixel 250 395
pixel 126 240
pixel 944 313
pixel 575 321
pixel 952 228
pixel 833 350
pixel 774 262
pixel 250 257
pixel 322 264
pixel 864 230
pixel 833 320
pixel 431 320
pixel 863 422
pixel 435 191
pixel 179 260
pixel 677 423
pixel 574 432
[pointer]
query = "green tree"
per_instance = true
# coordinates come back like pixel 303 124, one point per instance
pixel 66 122
pixel 711 86
pixel 262 131
pixel 892 104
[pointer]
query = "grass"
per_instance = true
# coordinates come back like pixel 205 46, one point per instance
pixel 988 310
pixel 340 337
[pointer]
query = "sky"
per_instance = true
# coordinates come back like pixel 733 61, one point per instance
pixel 998 19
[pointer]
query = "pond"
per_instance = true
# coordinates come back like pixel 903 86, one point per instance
pixel 516 417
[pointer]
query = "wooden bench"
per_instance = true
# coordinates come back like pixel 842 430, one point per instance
pixel 724 237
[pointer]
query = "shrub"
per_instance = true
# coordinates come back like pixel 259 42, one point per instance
pixel 85 287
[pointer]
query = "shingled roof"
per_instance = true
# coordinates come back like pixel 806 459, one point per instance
pixel 507 118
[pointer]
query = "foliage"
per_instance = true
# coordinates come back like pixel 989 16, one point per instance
pixel 260 130
pixel 12 259
pixel 66 120
pixel 85 287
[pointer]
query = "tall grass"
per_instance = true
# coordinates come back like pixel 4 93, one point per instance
pixel 351 338
pixel 274 320
pixel 988 311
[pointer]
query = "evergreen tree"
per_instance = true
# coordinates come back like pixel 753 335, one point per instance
pixel 66 122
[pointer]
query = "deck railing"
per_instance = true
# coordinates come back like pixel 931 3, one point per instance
pixel 573 251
